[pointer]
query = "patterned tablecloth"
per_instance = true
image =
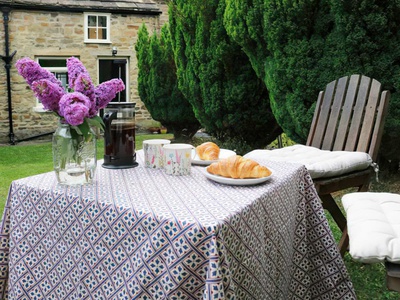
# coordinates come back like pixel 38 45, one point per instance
pixel 141 234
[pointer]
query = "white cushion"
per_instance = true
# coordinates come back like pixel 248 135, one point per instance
pixel 320 163
pixel 373 222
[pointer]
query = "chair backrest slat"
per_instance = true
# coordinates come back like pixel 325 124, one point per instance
pixel 315 119
pixel 323 113
pixel 349 115
pixel 379 125
pixel 347 111
pixel 369 117
pixel 358 113
pixel 336 110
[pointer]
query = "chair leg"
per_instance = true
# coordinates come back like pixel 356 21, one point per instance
pixel 330 205
pixel 344 243
pixel 392 276
pixel 364 188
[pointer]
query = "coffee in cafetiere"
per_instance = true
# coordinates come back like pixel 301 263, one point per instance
pixel 119 136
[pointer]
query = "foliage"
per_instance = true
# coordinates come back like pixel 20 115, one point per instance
pixel 369 31
pixel 216 76
pixel 285 43
pixel 282 141
pixel 299 47
pixel 157 84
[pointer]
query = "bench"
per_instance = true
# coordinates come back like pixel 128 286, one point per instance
pixel 373 225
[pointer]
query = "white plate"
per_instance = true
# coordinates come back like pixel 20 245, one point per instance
pixel 223 153
pixel 232 181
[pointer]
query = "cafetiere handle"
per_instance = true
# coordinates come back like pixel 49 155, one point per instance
pixel 107 119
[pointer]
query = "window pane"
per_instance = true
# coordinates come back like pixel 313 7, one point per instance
pixel 103 34
pixel 92 33
pixel 57 63
pixel 102 21
pixel 63 77
pixel 92 21
pixel 60 64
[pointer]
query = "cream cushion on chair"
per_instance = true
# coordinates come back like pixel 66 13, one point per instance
pixel 320 163
pixel 373 223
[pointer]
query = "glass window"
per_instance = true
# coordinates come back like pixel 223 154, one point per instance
pixel 102 21
pixel 92 21
pixel 97 28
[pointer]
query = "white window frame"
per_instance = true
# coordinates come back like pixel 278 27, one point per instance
pixel 39 106
pixel 87 39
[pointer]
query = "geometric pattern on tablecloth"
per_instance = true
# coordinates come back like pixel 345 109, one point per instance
pixel 4 251
pixel 121 247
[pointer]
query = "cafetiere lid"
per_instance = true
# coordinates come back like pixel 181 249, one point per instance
pixel 118 105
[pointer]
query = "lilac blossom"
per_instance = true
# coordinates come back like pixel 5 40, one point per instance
pixel 84 85
pixel 107 91
pixel 31 71
pixel 48 93
pixel 75 114
pixel 74 107
pixel 75 68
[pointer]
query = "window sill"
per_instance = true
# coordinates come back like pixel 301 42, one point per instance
pixel 97 42
pixel 40 109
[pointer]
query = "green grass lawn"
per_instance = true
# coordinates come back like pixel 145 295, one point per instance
pixel 25 160
pixel 30 159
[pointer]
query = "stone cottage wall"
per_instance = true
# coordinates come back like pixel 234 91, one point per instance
pixel 45 33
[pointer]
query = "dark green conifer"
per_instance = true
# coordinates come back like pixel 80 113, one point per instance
pixel 216 76
pixel 157 84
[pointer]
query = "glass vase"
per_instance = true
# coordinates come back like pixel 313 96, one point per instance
pixel 74 155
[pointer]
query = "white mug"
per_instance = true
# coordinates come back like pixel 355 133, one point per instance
pixel 178 158
pixel 154 153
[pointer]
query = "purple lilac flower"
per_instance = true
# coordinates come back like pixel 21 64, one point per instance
pixel 106 91
pixel 48 93
pixel 93 111
pixel 31 71
pixel 75 68
pixel 75 114
pixel 74 107
pixel 84 85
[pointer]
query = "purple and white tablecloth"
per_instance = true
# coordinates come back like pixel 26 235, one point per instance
pixel 141 234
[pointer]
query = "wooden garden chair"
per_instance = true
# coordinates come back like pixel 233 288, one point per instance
pixel 349 117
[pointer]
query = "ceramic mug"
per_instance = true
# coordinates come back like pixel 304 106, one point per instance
pixel 178 158
pixel 154 153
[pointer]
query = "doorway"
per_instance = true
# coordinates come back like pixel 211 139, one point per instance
pixel 114 68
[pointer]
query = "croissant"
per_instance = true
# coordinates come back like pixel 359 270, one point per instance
pixel 208 151
pixel 237 166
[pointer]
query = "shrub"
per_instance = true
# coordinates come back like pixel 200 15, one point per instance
pixel 157 84
pixel 298 47
pixel 216 76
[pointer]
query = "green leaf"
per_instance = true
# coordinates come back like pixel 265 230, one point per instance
pixel 84 128
pixel 75 131
pixel 96 122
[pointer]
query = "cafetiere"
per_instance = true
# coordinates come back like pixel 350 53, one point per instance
pixel 119 136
